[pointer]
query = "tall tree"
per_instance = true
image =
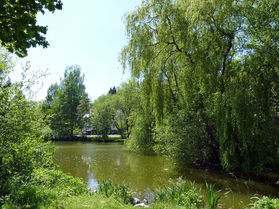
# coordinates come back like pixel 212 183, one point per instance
pixel 112 90
pixel 123 103
pixel 65 103
pixel 212 65
pixel 18 24
pixel 102 117
pixel 84 112
pixel 72 88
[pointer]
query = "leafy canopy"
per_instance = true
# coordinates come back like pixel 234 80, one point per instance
pixel 67 103
pixel 208 74
pixel 18 24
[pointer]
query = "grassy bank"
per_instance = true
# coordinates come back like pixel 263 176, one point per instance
pixel 180 195
pixel 99 201
pixel 53 189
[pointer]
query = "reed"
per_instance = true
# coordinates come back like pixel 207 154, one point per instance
pixel 118 190
pixel 212 198
pixel 182 193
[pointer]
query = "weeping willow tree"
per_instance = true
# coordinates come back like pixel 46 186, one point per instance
pixel 209 74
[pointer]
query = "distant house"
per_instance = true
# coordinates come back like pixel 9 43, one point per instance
pixel 88 130
pixel 113 130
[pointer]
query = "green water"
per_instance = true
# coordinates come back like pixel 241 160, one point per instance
pixel 94 162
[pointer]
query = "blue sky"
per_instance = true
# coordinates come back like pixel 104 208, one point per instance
pixel 90 33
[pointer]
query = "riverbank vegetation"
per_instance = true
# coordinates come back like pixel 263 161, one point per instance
pixel 203 89
pixel 29 178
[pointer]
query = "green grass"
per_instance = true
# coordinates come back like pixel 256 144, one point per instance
pixel 54 189
pixel 98 201
pixel 181 195
pixel 101 201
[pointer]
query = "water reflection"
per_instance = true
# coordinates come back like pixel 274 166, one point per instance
pixel 95 162
pixel 92 183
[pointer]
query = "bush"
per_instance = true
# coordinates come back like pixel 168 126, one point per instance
pixel 63 184
pixel 141 139
pixel 186 137
pixel 266 203
pixel 42 187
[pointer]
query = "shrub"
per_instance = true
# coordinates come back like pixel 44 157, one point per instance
pixel 42 187
pixel 141 139
pixel 266 203
pixel 186 136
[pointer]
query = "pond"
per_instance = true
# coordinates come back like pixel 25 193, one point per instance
pixel 94 162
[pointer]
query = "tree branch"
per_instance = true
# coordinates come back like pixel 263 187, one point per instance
pixel 175 43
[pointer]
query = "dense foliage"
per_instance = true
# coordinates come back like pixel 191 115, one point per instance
pixel 115 110
pixel 208 76
pixel 18 24
pixel 22 149
pixel 266 202
pixel 28 177
pixel 67 104
pixel 102 117
pixel 204 89
pixel 123 103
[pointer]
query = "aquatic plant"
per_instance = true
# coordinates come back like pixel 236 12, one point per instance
pixel 212 198
pixel 183 193
pixel 118 190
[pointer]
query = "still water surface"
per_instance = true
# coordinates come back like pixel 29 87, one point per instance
pixel 94 162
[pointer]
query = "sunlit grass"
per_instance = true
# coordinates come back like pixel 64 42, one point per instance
pixel 97 201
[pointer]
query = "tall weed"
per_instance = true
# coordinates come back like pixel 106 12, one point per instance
pixel 212 198
pixel 183 193
pixel 117 190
